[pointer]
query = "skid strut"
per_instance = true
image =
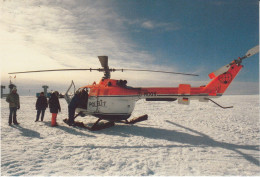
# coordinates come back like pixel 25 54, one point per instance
pixel 223 107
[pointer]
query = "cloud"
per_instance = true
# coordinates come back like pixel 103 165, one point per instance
pixel 75 29
pixel 163 26
pixel 68 34
pixel 148 25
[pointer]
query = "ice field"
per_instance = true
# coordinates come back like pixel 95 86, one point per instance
pixel 200 139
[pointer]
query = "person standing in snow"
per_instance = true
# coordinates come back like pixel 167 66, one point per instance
pixel 41 105
pixel 14 104
pixel 54 106
pixel 72 107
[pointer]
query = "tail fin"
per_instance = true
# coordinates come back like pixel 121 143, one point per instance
pixel 225 75
pixel 222 78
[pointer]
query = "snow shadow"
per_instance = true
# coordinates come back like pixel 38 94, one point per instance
pixel 199 139
pixel 27 132
pixel 233 147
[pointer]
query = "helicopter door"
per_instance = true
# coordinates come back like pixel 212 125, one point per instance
pixel 68 95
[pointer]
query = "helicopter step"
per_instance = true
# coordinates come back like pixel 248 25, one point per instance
pixel 96 126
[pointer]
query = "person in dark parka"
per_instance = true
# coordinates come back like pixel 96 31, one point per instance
pixel 72 107
pixel 14 104
pixel 83 103
pixel 54 106
pixel 41 105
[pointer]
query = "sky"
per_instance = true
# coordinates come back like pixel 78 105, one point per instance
pixel 192 36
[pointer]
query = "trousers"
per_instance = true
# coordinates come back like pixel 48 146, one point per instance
pixel 53 119
pixel 12 115
pixel 71 115
pixel 40 111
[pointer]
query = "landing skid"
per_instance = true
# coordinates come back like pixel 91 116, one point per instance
pixel 96 126
pixel 99 126
pixel 135 120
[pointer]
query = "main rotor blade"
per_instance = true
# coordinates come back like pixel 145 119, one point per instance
pixel 104 61
pixel 147 70
pixel 101 70
pixel 55 70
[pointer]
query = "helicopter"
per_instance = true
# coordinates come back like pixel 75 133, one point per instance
pixel 114 101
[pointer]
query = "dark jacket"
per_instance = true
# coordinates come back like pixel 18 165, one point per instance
pixel 41 103
pixel 13 100
pixel 54 104
pixel 74 101
pixel 83 100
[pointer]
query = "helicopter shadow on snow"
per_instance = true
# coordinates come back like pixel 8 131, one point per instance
pixel 189 140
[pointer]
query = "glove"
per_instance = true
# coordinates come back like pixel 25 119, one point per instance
pixel 18 107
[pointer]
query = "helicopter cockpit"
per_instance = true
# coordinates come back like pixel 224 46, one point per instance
pixel 121 83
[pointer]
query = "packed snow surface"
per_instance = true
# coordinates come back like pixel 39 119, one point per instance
pixel 199 139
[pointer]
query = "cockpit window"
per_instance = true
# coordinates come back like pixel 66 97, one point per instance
pixel 122 83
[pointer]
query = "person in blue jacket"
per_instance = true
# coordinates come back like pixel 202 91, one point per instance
pixel 72 107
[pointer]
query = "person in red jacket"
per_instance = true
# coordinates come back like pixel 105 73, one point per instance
pixel 54 106
pixel 41 105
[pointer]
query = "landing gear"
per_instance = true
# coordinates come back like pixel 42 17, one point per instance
pixel 223 107
pixel 96 126
pixel 99 126
pixel 135 120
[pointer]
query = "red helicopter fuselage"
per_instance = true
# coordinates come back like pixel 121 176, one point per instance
pixel 113 100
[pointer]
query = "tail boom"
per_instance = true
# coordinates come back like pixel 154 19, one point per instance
pixel 215 88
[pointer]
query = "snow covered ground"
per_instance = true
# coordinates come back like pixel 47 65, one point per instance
pixel 200 139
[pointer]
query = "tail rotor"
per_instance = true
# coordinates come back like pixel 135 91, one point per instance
pixel 238 61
